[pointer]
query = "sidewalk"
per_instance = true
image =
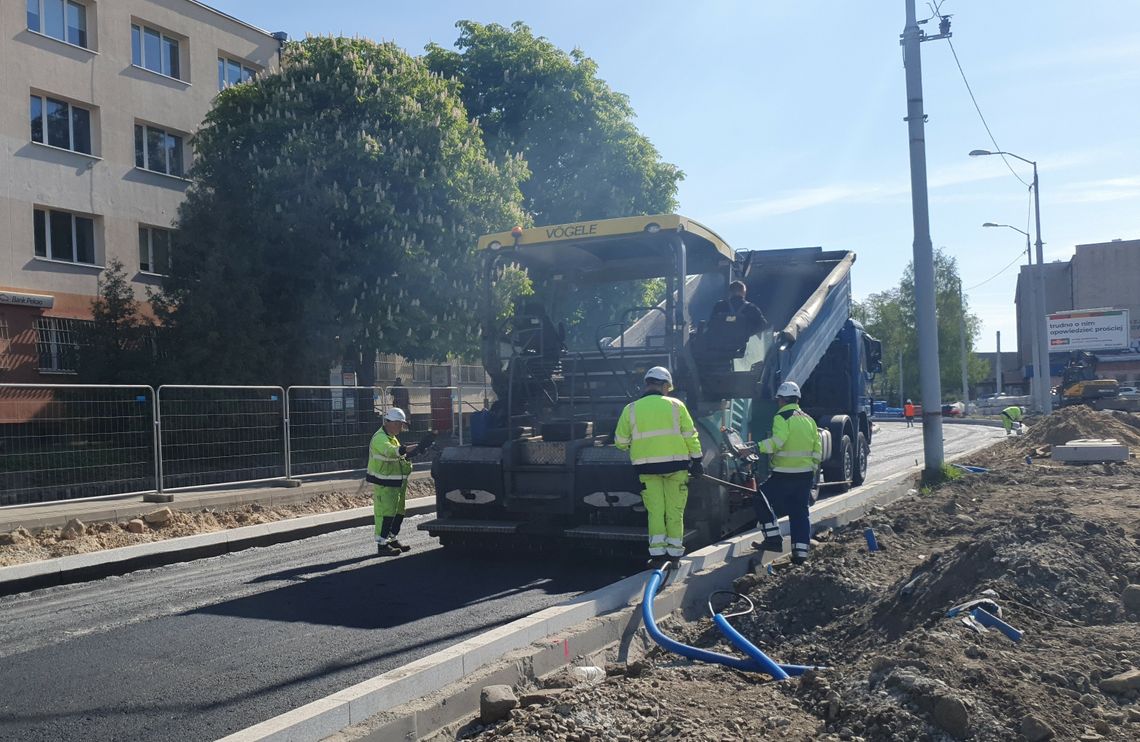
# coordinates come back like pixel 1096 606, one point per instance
pixel 106 562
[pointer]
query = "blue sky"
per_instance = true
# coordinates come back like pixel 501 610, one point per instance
pixel 787 117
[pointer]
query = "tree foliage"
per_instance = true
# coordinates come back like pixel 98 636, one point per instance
pixel 333 213
pixel 890 316
pixel 116 347
pixel 587 159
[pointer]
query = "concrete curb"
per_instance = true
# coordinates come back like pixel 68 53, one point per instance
pixel 447 683
pixel 98 564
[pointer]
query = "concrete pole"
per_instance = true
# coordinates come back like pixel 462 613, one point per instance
pixel 902 395
pixel 962 345
pixel 997 366
pixel 927 323
pixel 1041 322
pixel 1038 389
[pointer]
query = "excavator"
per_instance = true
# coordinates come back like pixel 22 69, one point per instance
pixel 1080 383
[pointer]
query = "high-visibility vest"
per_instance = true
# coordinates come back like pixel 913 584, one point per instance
pixel 386 467
pixel 1013 413
pixel 794 445
pixel 908 410
pixel 659 434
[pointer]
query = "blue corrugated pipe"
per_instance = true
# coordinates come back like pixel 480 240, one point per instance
pixel 757 661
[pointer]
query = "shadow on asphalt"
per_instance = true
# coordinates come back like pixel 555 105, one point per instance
pixel 382 593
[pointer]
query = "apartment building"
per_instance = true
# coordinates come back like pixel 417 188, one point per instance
pixel 99 100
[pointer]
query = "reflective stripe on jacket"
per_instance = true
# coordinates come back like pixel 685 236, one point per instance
pixel 386 467
pixel 794 444
pixel 659 434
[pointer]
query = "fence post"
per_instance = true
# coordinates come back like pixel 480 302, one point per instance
pixel 289 481
pixel 458 399
pixel 159 495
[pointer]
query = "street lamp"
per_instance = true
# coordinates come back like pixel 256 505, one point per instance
pixel 1037 390
pixel 1041 362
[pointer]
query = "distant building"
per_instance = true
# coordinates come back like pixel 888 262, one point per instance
pixel 98 103
pixel 1099 275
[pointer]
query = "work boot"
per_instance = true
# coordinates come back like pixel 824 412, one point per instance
pixel 657 562
pixel 799 556
pixel 772 543
pixel 388 549
pixel 402 547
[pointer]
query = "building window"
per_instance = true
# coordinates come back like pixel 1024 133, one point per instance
pixel 60 124
pixel 57 344
pixel 6 355
pixel 232 72
pixel 155 51
pixel 154 250
pixel 158 150
pixel 61 235
pixel 60 19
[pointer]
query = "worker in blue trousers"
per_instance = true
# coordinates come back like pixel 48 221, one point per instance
pixel 795 453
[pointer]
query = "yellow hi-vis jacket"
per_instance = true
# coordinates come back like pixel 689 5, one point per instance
pixel 659 434
pixel 387 466
pixel 794 445
pixel 1013 413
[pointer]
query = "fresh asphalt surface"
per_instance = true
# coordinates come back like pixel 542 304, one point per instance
pixel 198 650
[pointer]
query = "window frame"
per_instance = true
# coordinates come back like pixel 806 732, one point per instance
pixel 43 225
pixel 57 342
pixel 245 71
pixel 169 68
pixel 45 133
pixel 66 6
pixel 166 134
pixel 150 268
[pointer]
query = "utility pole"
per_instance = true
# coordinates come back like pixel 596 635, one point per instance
pixel 902 396
pixel 1041 362
pixel 962 345
pixel 927 322
pixel 997 366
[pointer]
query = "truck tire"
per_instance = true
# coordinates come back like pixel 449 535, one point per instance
pixel 862 450
pixel 841 468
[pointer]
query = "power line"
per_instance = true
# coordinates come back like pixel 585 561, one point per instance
pixel 993 140
pixel 1015 260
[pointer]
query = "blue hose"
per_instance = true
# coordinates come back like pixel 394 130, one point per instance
pixel 757 661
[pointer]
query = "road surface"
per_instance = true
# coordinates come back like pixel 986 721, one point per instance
pixel 198 650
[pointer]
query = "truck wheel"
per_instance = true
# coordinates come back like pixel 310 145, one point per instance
pixel 862 450
pixel 843 468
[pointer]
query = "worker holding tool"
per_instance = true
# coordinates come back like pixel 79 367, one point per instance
pixel 388 470
pixel 795 453
pixel 1011 418
pixel 663 446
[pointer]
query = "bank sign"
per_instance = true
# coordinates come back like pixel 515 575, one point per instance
pixel 27 300
pixel 1088 329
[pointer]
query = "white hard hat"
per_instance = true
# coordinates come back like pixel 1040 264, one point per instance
pixel 659 373
pixel 788 389
pixel 395 414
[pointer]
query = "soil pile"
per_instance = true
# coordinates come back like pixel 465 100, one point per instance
pixel 1064 425
pixel 20 545
pixel 1056 547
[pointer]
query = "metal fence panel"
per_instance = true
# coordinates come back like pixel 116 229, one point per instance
pixel 220 434
pixel 72 441
pixel 428 408
pixel 330 428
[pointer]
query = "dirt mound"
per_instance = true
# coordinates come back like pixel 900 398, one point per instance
pixel 1058 549
pixel 1062 426
pixel 21 546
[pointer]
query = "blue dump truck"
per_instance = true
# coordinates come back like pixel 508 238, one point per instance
pixel 611 299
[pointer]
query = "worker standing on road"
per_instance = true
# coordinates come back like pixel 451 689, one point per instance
pixel 663 446
pixel 796 453
pixel 1010 417
pixel 908 413
pixel 389 469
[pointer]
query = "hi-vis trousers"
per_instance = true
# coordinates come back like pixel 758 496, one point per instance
pixel 665 496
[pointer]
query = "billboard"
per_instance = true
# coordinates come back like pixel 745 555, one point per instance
pixel 1088 329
